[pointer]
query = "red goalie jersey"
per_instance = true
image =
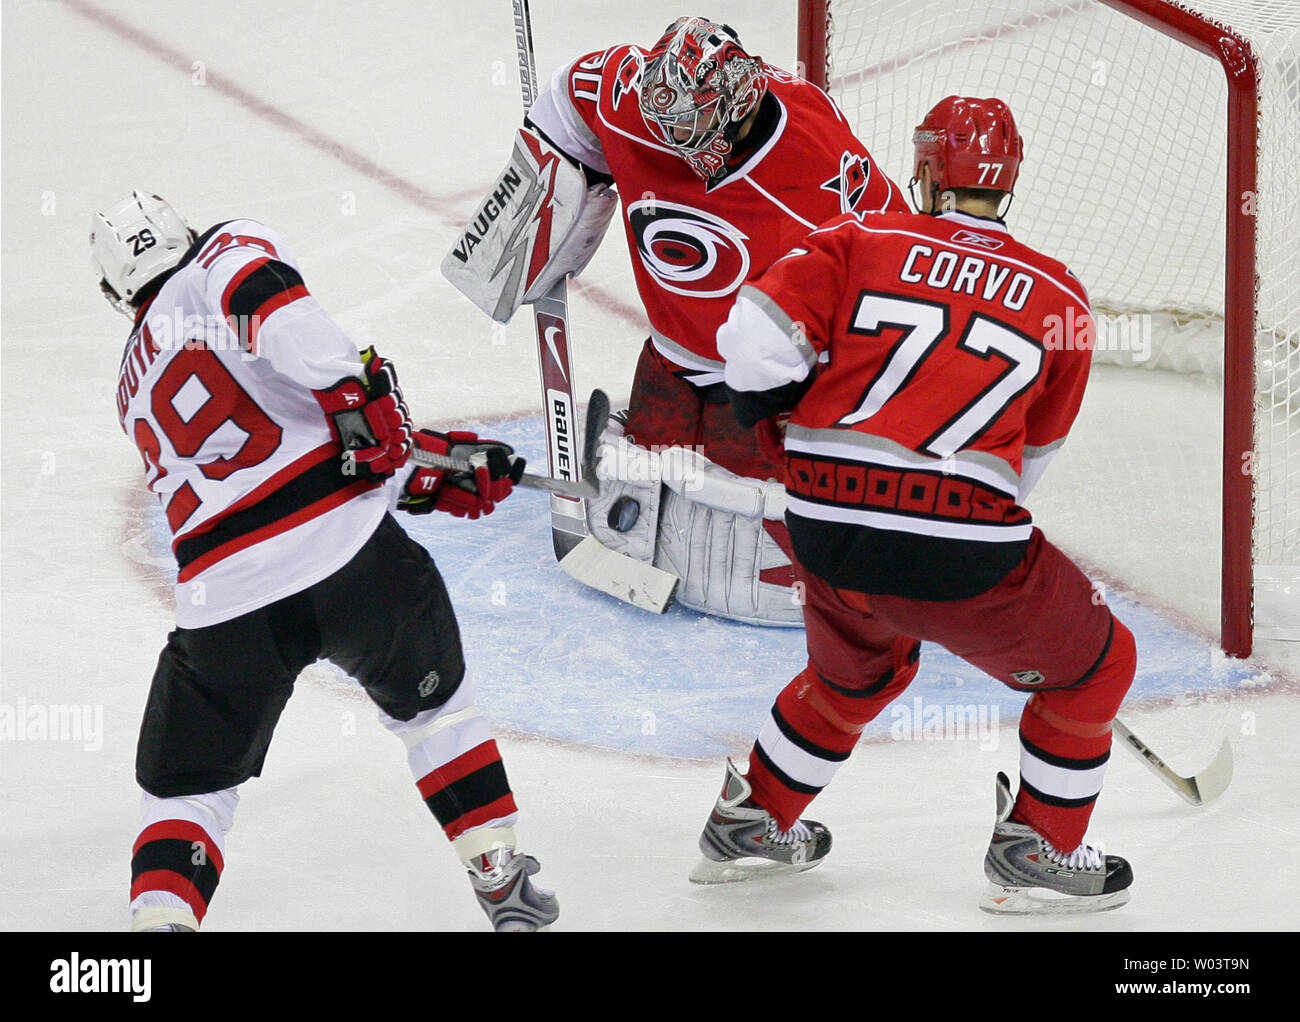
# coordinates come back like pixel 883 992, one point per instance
pixel 694 243
pixel 954 360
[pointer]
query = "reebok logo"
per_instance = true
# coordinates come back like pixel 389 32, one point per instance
pixel 978 240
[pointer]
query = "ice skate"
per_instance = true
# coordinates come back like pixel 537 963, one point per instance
pixel 1027 876
pixel 513 904
pixel 742 841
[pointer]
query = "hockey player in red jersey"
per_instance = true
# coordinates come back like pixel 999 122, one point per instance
pixel 277 451
pixel 917 355
pixel 723 162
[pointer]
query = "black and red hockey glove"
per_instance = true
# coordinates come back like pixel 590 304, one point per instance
pixel 465 494
pixel 369 418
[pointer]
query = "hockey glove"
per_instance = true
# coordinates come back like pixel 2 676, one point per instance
pixel 770 433
pixel 465 494
pixel 369 418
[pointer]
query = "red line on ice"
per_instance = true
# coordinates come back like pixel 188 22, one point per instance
pixel 443 209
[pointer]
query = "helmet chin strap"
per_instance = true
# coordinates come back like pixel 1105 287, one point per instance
pixel 116 300
pixel 1004 206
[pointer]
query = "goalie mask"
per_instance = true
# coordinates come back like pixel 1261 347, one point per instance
pixel 968 143
pixel 133 243
pixel 697 87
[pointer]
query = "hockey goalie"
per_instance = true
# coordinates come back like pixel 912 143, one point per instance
pixel 724 163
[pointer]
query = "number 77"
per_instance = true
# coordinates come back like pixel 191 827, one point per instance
pixel 926 325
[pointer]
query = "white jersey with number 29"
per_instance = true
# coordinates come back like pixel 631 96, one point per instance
pixel 215 389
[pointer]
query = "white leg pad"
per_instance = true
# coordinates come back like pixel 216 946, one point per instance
pixel 720 556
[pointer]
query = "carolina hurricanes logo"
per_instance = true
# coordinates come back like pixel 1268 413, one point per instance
pixel 851 182
pixel 626 78
pixel 688 251
pixel 663 97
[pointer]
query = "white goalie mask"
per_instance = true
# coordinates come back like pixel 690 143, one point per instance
pixel 133 242
pixel 697 87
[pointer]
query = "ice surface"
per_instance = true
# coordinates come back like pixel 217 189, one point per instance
pixel 363 134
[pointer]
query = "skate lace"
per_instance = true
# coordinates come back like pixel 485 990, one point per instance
pixel 1083 857
pixel 795 834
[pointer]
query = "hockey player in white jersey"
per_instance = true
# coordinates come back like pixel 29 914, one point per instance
pixel 277 451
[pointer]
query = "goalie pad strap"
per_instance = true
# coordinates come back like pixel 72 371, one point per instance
pixel 694 476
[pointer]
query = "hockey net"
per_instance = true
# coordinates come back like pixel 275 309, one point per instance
pixel 1140 119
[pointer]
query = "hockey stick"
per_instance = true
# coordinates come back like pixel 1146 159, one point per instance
pixel 550 320
pixel 581 555
pixel 587 486
pixel 1198 789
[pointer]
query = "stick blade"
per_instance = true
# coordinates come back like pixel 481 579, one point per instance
pixel 635 582
pixel 1198 789
pixel 564 543
pixel 1213 781
pixel 597 423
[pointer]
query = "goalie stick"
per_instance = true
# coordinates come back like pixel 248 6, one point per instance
pixel 1198 789
pixel 580 554
pixel 587 486
pixel 550 320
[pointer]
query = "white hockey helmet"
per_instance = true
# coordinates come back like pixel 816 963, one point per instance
pixel 133 242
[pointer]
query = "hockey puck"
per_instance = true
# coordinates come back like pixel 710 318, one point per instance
pixel 623 513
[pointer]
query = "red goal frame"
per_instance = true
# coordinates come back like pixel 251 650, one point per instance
pixel 1235 56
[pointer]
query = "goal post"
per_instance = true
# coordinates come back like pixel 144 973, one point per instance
pixel 1129 135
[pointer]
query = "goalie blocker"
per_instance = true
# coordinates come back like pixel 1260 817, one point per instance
pixel 678 511
pixel 539 223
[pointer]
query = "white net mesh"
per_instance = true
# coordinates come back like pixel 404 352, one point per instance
pixel 1124 179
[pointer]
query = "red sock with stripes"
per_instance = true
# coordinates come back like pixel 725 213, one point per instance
pixel 178 857
pixel 1065 742
pixel 469 791
pixel 811 730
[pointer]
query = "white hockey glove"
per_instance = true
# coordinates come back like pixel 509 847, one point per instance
pixel 538 224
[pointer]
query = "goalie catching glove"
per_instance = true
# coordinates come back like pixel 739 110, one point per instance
pixel 538 224
pixel 368 416
pixel 466 494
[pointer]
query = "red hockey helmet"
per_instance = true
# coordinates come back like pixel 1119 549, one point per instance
pixel 969 143
pixel 697 87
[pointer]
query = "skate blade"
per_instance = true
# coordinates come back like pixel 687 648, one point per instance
pixel 1039 901
pixel 732 871
pixel 520 927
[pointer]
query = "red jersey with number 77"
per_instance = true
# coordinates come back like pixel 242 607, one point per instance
pixel 215 389
pixel 950 361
